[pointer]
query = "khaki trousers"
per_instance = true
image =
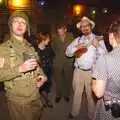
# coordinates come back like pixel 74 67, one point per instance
pixel 24 110
pixel 81 80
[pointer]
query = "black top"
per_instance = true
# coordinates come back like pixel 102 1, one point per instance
pixel 46 56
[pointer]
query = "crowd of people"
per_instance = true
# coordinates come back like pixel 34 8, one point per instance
pixel 28 68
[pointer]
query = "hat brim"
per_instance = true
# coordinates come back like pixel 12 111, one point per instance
pixel 80 22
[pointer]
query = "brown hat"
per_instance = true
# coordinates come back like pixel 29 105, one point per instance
pixel 85 19
pixel 19 14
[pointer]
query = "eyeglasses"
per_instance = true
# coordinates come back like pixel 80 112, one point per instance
pixel 19 22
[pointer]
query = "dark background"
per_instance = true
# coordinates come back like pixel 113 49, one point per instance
pixel 99 3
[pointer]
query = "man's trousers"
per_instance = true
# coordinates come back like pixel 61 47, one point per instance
pixel 81 80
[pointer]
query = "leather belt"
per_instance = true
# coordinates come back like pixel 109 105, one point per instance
pixel 83 69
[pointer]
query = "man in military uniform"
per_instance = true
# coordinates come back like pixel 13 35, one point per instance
pixel 63 66
pixel 20 72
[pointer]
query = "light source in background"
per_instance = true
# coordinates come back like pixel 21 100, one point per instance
pixel 77 9
pixel 42 3
pixel 93 11
pixel 2 4
pixel 105 10
pixel 1 1
pixel 19 3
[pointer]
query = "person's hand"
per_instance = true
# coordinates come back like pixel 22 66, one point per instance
pixel 112 40
pixel 41 81
pixel 2 62
pixel 28 65
pixel 95 43
pixel 81 49
pixel 80 46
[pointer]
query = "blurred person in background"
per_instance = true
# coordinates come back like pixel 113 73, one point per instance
pixel 63 66
pixel 46 56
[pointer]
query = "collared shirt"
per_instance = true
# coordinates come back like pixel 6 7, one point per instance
pixel 88 59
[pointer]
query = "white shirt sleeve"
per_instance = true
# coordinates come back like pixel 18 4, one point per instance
pixel 72 48
pixel 101 50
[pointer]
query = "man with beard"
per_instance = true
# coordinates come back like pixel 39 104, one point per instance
pixel 86 50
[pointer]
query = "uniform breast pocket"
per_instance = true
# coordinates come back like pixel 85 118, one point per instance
pixel 12 61
pixel 15 60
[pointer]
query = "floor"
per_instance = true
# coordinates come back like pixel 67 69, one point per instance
pixel 58 112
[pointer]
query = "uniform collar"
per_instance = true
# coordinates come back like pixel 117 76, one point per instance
pixel 14 40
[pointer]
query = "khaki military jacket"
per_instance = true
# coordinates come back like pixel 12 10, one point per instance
pixel 18 85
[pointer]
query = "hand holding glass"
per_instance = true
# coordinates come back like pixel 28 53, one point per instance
pixel 82 48
pixel 30 63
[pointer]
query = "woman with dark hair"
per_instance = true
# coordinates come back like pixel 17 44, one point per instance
pixel 106 79
pixel 46 55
